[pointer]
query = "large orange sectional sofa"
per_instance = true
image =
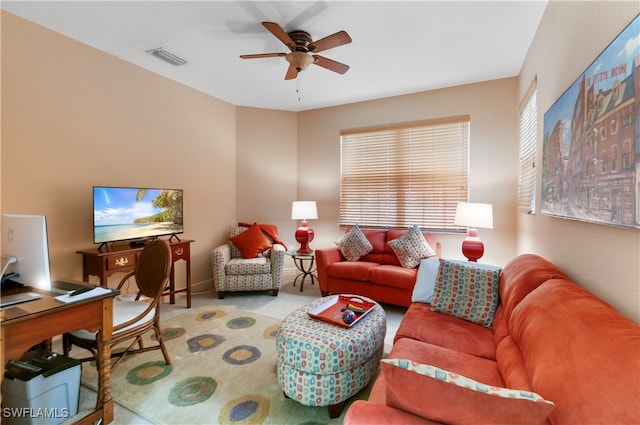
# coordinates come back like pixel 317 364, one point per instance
pixel 572 357
pixel 378 274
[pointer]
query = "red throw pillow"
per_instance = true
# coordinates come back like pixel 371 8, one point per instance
pixel 251 242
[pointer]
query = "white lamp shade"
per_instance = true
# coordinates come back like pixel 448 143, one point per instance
pixel 474 215
pixel 304 210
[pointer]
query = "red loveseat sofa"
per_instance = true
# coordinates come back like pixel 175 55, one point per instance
pixel 549 336
pixel 377 275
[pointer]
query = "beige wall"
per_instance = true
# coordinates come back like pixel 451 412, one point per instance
pixel 603 259
pixel 492 107
pixel 74 117
pixel 266 169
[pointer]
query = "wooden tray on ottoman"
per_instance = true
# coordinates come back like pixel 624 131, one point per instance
pixel 331 311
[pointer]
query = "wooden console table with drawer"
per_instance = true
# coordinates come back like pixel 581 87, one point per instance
pixel 122 259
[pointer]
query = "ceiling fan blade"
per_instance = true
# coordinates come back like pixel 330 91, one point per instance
pixel 331 65
pixel 263 55
pixel 292 73
pixel 330 41
pixel 280 34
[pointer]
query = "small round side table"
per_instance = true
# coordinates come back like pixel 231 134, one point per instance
pixel 305 263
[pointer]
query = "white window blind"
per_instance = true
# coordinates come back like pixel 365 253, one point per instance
pixel 405 174
pixel 528 136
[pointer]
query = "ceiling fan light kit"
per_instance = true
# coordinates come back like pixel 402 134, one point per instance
pixel 303 50
pixel 299 60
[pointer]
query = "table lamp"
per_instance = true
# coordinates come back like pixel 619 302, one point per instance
pixel 473 215
pixel 304 210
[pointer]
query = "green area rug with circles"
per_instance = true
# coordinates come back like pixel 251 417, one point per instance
pixel 223 371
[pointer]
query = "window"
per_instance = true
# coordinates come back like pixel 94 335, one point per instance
pixel 627 156
pixel 626 116
pixel 528 136
pixel 613 126
pixel 614 158
pixel 405 174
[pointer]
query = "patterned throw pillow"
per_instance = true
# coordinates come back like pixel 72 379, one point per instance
pixel 411 247
pixel 354 244
pixel 482 403
pixel 467 290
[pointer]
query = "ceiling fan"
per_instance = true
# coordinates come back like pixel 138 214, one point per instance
pixel 304 49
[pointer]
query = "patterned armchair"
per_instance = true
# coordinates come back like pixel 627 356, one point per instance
pixel 249 264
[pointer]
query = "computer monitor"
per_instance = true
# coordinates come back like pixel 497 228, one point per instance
pixel 24 237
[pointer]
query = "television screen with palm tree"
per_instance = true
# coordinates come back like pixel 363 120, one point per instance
pixel 137 214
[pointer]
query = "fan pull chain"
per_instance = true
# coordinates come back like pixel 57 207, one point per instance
pixel 298 86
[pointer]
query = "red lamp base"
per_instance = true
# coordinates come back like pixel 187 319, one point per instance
pixel 472 246
pixel 304 235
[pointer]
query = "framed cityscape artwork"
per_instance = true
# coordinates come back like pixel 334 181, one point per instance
pixel 591 156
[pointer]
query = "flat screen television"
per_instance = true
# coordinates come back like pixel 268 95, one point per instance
pixel 25 246
pixel 136 214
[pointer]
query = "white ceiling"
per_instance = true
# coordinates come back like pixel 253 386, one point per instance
pixel 398 47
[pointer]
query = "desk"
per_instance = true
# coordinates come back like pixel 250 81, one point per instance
pixel 122 259
pixel 28 324
pixel 305 264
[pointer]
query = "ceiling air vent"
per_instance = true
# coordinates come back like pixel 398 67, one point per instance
pixel 167 56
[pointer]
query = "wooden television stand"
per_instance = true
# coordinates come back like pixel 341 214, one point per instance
pixel 123 258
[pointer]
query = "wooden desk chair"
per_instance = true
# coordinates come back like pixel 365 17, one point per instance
pixel 132 319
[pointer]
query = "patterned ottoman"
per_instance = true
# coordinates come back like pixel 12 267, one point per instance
pixel 323 364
